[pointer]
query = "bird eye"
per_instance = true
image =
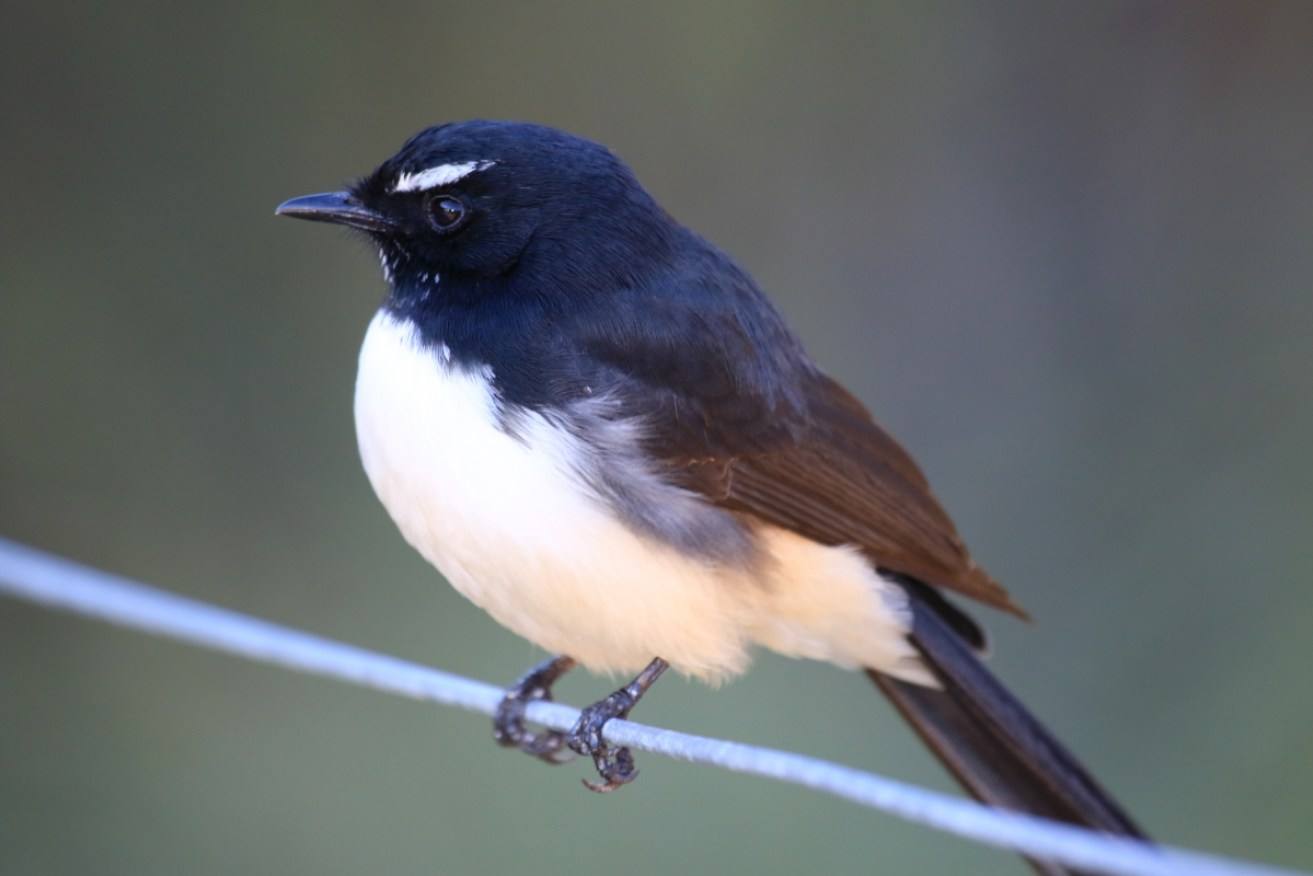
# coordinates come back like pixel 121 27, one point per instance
pixel 446 213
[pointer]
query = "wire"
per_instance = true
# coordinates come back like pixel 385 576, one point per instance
pixel 60 583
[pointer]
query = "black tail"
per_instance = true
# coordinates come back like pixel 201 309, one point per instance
pixel 990 742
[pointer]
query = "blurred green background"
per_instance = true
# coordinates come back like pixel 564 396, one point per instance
pixel 1063 250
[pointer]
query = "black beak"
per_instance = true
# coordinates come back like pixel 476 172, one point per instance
pixel 337 207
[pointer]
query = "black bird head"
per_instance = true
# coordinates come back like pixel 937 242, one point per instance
pixel 537 253
pixel 470 202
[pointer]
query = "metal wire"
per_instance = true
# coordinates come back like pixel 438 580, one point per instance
pixel 43 578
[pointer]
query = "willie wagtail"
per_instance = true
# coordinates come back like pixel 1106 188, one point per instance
pixel 599 429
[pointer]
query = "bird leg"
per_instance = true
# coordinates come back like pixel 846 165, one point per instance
pixel 615 765
pixel 508 722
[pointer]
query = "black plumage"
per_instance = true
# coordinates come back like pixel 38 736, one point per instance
pixel 541 259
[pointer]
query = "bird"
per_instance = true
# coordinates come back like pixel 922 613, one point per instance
pixel 599 429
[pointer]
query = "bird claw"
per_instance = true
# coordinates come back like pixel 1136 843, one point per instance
pixel 614 765
pixel 508 722
pixel 620 771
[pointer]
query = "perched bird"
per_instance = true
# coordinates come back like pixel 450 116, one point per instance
pixel 601 431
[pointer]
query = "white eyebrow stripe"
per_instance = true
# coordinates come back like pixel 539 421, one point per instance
pixel 442 175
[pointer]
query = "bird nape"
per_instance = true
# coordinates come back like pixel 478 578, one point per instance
pixel 601 431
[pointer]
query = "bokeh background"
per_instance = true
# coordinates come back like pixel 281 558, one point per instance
pixel 1064 251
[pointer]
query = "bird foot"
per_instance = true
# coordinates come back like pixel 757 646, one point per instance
pixel 508 722
pixel 614 765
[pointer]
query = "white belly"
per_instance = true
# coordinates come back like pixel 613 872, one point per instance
pixel 508 520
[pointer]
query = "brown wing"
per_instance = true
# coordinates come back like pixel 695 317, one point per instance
pixel 736 411
pixel 844 480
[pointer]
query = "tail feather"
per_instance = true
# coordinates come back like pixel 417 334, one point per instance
pixel 989 741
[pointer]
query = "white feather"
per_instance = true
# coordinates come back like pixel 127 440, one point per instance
pixel 511 523
pixel 441 175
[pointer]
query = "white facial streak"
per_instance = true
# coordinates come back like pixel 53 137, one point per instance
pixel 442 175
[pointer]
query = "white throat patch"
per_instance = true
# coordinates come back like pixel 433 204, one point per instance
pixel 442 175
